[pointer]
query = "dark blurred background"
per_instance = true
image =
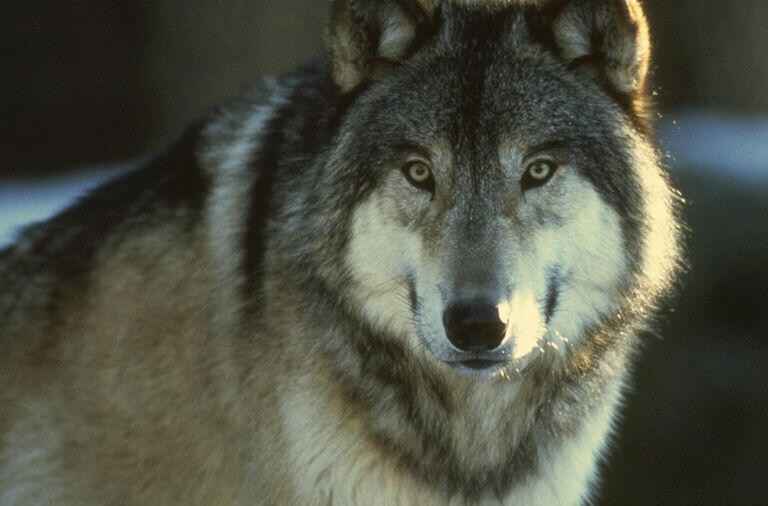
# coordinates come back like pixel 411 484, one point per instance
pixel 96 83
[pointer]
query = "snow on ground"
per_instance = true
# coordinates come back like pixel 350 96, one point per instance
pixel 23 202
pixel 731 146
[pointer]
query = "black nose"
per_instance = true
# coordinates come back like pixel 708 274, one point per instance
pixel 474 326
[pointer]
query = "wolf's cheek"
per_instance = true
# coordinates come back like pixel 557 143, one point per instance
pixel 591 263
pixel 382 257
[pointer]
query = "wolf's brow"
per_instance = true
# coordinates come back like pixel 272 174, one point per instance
pixel 550 145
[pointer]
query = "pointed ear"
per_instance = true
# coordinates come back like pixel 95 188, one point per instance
pixel 607 38
pixel 364 37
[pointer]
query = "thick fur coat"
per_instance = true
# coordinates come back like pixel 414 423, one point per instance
pixel 413 272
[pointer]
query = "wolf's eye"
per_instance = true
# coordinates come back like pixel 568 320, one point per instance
pixel 420 176
pixel 538 174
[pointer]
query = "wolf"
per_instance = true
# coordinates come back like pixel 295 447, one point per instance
pixel 413 272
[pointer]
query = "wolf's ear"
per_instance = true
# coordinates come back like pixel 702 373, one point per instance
pixel 607 38
pixel 364 37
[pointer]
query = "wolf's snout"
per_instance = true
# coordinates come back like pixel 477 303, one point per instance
pixel 474 326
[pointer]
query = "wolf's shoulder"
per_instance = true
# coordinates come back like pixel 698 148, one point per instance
pixel 201 187
pixel 174 182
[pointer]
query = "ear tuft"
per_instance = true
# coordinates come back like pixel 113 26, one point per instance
pixel 365 36
pixel 609 36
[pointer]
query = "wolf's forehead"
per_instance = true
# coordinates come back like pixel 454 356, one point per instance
pixel 481 104
pixel 493 81
pixel 485 84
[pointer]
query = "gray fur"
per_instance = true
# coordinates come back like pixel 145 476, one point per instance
pixel 214 330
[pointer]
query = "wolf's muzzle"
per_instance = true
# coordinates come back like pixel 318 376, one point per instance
pixel 474 327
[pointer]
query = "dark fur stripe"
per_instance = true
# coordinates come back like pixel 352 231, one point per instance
pixel 297 132
pixel 553 293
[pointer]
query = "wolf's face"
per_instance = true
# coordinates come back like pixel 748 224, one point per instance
pixel 499 218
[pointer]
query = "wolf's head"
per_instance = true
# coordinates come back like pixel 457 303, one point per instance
pixel 507 200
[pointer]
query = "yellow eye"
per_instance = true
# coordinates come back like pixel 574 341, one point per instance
pixel 538 174
pixel 420 176
pixel 419 172
pixel 541 170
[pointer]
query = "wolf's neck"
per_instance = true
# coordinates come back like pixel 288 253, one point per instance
pixel 468 437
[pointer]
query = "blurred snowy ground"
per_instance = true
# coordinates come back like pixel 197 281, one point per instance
pixel 729 147
pixel 23 202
